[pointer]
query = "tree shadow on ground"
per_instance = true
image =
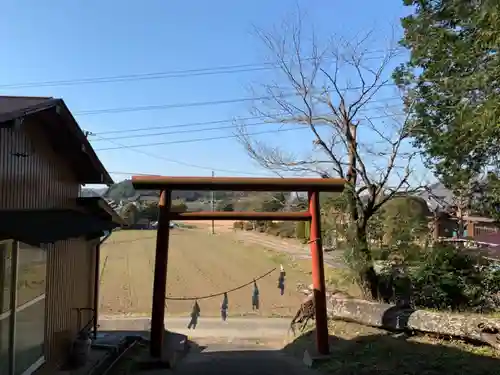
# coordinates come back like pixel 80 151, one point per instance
pixel 395 354
pixel 355 350
pixel 226 359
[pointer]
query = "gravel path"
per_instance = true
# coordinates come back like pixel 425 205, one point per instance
pixel 290 247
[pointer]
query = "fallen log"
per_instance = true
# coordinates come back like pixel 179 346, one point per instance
pixel 390 317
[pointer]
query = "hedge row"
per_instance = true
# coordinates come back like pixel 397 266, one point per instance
pixel 284 229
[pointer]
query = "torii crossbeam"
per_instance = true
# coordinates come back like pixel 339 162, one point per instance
pixel 313 186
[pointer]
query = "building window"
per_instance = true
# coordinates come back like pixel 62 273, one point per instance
pixel 23 318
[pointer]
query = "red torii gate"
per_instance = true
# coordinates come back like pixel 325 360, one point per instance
pixel 313 186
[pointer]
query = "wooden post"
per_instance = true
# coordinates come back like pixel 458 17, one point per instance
pixel 471 229
pixel 318 275
pixel 13 303
pixel 4 253
pixel 97 268
pixel 160 275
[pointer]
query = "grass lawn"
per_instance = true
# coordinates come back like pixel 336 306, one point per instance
pixel 360 350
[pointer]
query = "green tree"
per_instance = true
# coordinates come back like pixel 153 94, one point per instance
pixel 273 202
pixel 405 223
pixel 178 206
pixel 225 206
pixel 130 213
pixel 451 86
pixel 228 207
pixel 487 202
pixel 150 211
pixel 300 229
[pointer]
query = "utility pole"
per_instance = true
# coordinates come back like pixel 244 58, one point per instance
pixel 213 205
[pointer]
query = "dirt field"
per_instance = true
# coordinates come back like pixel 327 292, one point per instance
pixel 199 264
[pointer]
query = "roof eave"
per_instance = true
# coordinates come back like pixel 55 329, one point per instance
pixel 65 114
pixel 89 150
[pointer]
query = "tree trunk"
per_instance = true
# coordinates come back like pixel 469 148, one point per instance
pixel 367 277
pixel 394 318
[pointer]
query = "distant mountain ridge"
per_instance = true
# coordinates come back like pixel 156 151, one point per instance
pixel 124 190
pixel 90 192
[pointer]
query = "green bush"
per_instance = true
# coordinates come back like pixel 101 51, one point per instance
pixel 261 225
pixel 287 230
pixel 454 279
pixel 248 226
pixel 408 252
pixel 381 253
pixel 273 230
pixel 300 229
pixel 445 278
pixel 178 206
pixel 238 225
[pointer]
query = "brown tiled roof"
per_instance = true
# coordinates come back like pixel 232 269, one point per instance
pixel 63 132
pixel 15 103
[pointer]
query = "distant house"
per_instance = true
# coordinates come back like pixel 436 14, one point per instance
pixel 49 235
pixel 441 202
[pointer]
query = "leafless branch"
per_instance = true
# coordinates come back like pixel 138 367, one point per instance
pixel 316 93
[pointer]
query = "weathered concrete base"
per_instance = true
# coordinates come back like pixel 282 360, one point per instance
pixel 104 351
pixel 175 347
pixel 312 359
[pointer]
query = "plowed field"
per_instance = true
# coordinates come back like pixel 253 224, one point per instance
pixel 199 264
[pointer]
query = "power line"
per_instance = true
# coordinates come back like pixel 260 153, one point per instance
pixel 221 293
pixel 161 157
pixel 194 140
pixel 165 106
pixel 199 124
pixel 176 132
pixel 201 104
pixel 122 146
pixel 217 70
pixel 190 124
pixel 132 173
pixel 208 103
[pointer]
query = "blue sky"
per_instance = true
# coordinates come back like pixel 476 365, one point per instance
pixel 69 40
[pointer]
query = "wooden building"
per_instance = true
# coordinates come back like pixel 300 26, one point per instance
pixel 49 236
pixel 447 226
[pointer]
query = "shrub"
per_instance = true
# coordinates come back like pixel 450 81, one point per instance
pixel 273 230
pixel 300 229
pixel 248 225
pixel 451 278
pixel 178 206
pixel 287 230
pixel 381 253
pixel 261 225
pixel 238 225
pixel 445 278
pixel 408 252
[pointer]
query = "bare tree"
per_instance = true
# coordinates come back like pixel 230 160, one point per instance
pixel 372 154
